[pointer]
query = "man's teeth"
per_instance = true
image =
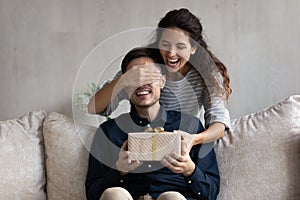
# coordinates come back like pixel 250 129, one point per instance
pixel 143 93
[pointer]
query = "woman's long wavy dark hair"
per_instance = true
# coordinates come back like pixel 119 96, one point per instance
pixel 185 20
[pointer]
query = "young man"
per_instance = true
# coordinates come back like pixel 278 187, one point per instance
pixel 112 176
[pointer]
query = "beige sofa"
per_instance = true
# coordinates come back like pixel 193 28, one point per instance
pixel 45 156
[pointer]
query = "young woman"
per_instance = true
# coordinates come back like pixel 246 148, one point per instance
pixel 195 77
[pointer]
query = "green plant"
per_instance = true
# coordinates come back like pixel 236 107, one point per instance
pixel 83 98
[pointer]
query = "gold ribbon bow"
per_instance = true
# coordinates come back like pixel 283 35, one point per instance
pixel 155 130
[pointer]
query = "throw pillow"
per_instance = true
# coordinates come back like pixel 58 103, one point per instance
pixel 22 171
pixel 67 155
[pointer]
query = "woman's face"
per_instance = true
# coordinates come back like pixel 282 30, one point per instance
pixel 175 48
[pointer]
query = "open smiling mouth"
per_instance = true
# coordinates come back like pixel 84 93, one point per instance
pixel 143 91
pixel 173 62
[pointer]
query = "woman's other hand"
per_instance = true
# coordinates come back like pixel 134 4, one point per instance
pixel 189 140
pixel 139 75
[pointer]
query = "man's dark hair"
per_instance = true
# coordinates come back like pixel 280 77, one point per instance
pixel 154 54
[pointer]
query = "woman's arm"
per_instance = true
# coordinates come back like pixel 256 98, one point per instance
pixel 213 133
pixel 103 97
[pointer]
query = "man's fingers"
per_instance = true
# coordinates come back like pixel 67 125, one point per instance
pixel 183 147
pixel 123 155
pixel 176 167
pixel 135 164
pixel 125 146
pixel 170 160
pixel 165 162
pixel 123 152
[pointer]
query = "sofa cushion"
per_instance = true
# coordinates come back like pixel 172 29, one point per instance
pixel 260 157
pixel 66 157
pixel 22 170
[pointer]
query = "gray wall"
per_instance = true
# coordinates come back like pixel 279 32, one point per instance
pixel 43 43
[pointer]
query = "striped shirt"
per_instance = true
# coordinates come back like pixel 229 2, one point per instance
pixel 187 95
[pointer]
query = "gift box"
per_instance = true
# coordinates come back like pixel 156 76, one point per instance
pixel 146 146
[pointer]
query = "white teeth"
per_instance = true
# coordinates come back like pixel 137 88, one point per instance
pixel 143 93
pixel 173 60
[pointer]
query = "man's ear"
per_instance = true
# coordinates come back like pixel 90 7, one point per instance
pixel 163 81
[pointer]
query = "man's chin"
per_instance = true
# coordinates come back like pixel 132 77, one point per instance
pixel 143 105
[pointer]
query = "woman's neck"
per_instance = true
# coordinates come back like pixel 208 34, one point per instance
pixel 178 75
